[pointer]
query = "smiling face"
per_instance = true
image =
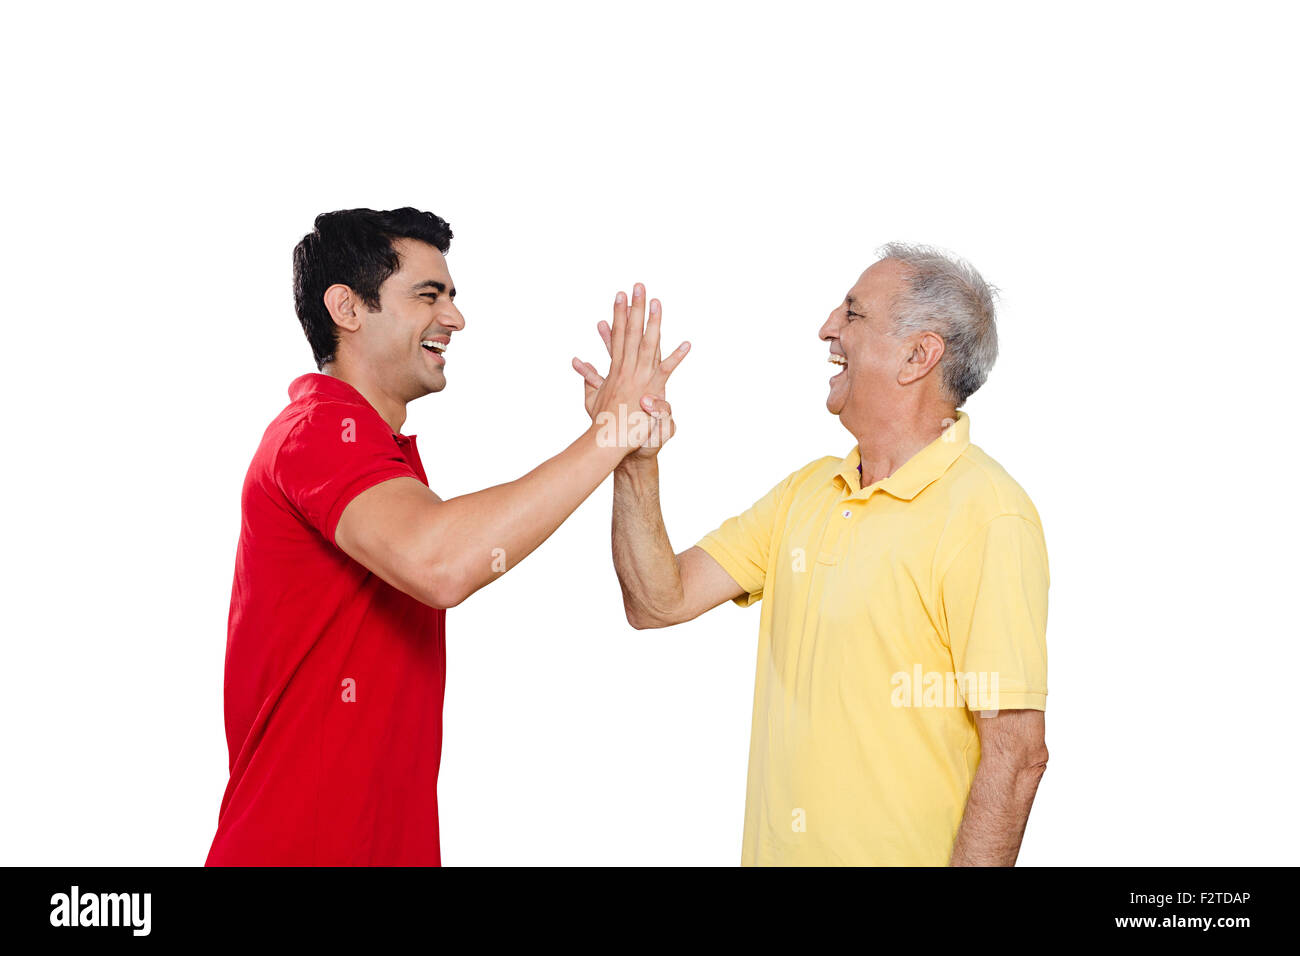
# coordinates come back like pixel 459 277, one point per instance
pixel 402 344
pixel 869 358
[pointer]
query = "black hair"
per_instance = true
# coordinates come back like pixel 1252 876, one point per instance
pixel 353 247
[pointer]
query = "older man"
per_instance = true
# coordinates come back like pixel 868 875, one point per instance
pixel 904 590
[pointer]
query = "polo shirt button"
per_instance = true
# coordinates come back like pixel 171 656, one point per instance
pixel 847 513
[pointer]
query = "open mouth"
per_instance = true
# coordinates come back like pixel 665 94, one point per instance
pixel 838 360
pixel 434 347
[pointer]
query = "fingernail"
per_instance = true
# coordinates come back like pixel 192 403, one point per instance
pixel 638 290
pixel 620 299
pixel 654 306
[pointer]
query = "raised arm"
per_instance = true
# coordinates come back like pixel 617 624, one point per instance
pixel 660 588
pixel 440 552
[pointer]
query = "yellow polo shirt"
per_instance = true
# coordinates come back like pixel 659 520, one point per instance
pixel 889 614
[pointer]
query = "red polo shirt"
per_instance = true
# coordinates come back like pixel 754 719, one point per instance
pixel 334 679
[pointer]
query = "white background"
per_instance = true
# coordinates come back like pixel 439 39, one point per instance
pixel 1124 173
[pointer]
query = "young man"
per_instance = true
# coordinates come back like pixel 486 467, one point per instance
pixel 904 589
pixel 347 561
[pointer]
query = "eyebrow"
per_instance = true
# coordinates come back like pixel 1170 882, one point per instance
pixel 433 284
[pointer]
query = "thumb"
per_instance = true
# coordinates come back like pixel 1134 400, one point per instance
pixel 656 406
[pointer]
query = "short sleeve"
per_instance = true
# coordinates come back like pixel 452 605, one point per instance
pixel 742 543
pixel 336 452
pixel 994 597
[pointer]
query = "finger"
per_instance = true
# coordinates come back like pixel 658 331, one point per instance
pixel 650 347
pixel 588 372
pixel 656 406
pixel 635 326
pixel 603 328
pixel 661 415
pixel 618 330
pixel 667 366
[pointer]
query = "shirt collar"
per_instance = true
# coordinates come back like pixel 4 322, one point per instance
pixel 917 472
pixel 324 387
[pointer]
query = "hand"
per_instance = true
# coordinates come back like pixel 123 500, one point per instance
pixel 662 427
pixel 634 354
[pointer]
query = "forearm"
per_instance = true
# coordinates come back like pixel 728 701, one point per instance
pixel 997 810
pixel 647 568
pixel 490 531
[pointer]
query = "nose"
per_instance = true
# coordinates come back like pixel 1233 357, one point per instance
pixel 453 319
pixel 830 327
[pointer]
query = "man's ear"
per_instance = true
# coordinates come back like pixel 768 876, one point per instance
pixel 926 351
pixel 343 307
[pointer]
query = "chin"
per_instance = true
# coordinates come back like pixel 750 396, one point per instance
pixel 431 380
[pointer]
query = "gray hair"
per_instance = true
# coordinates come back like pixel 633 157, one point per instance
pixel 945 295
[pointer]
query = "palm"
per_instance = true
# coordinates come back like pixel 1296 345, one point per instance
pixel 662 428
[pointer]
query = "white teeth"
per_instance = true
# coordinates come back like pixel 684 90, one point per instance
pixel 837 359
pixel 436 346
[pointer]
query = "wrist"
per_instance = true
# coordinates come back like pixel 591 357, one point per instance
pixel 597 440
pixel 639 475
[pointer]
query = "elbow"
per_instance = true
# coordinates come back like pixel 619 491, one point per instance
pixel 1031 763
pixel 1038 761
pixel 443 600
pixel 1024 759
pixel 445 589
pixel 643 620
pixel 1033 754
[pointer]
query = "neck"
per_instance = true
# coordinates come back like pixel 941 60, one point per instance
pixel 389 407
pixel 887 441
